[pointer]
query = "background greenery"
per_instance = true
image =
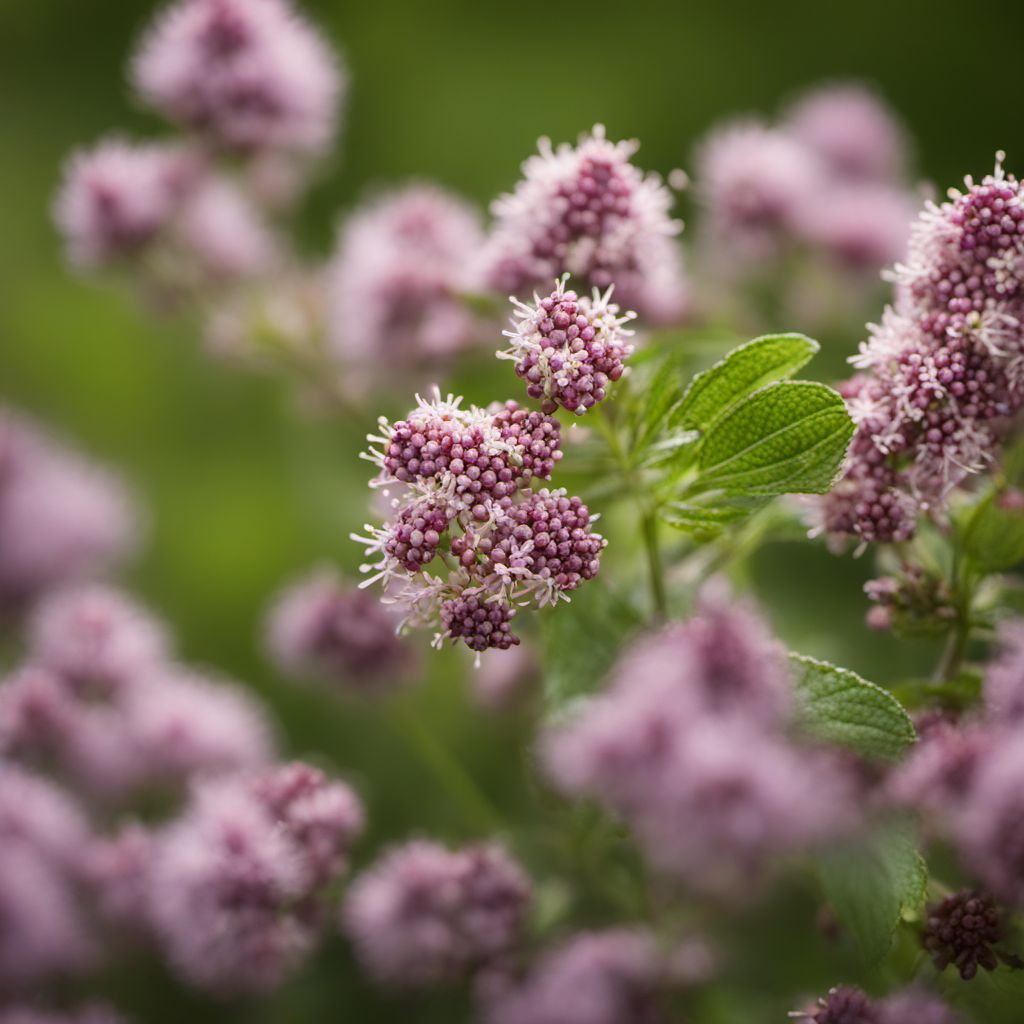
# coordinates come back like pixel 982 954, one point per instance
pixel 244 491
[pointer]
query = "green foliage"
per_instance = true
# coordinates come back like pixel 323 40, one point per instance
pixel 872 883
pixel 838 706
pixel 742 372
pixel 581 640
pixel 994 535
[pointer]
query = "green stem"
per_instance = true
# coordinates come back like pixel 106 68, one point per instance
pixel 649 523
pixel 478 810
pixel 648 515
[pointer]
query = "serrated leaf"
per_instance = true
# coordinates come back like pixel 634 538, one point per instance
pixel 742 372
pixel 994 537
pixel 838 706
pixel 582 639
pixel 872 882
pixel 787 438
pixel 664 392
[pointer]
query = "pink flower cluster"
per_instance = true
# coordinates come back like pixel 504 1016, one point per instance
pixel 424 915
pixel 688 745
pixel 568 349
pixel 941 373
pixel 845 1004
pixel 394 281
pixel 61 517
pixel 468 501
pixel 828 178
pixel 323 629
pixel 586 210
pixel 229 882
pixel 966 779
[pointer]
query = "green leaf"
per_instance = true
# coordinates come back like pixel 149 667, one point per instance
pixel 581 639
pixel 742 372
pixel 994 536
pixel 787 438
pixel 663 393
pixel 706 522
pixel 873 882
pixel 838 706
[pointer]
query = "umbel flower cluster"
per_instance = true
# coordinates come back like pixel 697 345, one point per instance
pixel 941 373
pixel 469 476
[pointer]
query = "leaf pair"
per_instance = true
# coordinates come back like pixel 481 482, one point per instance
pixel 759 434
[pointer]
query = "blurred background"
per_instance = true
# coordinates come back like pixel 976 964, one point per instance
pixel 244 490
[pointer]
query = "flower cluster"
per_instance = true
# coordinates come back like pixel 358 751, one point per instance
pixel 100 702
pixel 423 914
pixel 845 1004
pixel 323 629
pixel 244 74
pixel 61 517
pixel 688 745
pixel 238 882
pixel 394 281
pixel 941 372
pixel 828 178
pixel 468 476
pixel 966 779
pixel 569 349
pixel 586 210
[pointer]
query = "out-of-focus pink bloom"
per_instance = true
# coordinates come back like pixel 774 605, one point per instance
pixel 116 871
pixel 586 210
pixel 245 74
pixel 339 634
pixel 755 183
pixel 608 977
pixel 394 281
pixel 61 518
pixel 225 894
pixel 916 1006
pixel 989 828
pixel 220 228
pixel 424 915
pixel 184 725
pixel 118 197
pixel 91 1013
pixel 1004 678
pixel 96 639
pixel 503 678
pixel 852 129
pixel 42 836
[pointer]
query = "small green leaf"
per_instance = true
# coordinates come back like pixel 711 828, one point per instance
pixel 787 438
pixel 742 372
pixel 582 639
pixel 872 882
pixel 664 392
pixel 707 522
pixel 838 706
pixel 994 536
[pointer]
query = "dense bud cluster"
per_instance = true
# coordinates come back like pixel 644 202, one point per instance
pixel 589 212
pixel 846 1004
pixel 468 500
pixel 960 930
pixel 568 349
pixel 945 364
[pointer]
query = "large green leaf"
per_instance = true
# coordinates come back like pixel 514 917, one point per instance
pixel 836 705
pixel 742 372
pixel 582 639
pixel 787 438
pixel 872 882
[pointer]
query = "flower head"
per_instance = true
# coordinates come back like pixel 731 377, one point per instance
pixel 245 74
pixel 424 914
pixel 588 211
pixel 960 930
pixel 568 349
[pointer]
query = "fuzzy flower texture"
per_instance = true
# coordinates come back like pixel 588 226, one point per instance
pixel 941 374
pixel 468 475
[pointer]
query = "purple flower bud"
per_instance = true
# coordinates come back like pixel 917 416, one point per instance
pixel 960 930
